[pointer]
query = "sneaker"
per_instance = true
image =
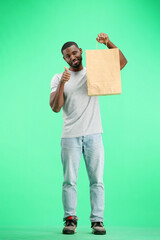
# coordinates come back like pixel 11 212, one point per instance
pixel 70 225
pixel 98 228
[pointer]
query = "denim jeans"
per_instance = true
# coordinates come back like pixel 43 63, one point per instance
pixel 91 146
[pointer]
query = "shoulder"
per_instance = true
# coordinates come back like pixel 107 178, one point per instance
pixel 56 76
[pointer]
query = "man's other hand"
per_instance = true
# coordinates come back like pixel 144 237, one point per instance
pixel 102 38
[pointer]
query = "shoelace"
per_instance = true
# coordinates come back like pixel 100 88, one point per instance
pixel 69 223
pixel 97 224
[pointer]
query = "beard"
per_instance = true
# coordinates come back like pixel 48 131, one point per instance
pixel 77 65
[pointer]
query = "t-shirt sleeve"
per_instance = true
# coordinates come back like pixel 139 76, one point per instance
pixel 55 82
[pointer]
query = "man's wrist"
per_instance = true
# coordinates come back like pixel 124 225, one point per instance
pixel 106 43
pixel 62 83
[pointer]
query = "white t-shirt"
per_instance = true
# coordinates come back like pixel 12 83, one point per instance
pixel 81 113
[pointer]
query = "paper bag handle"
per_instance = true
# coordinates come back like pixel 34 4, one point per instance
pixel 96 45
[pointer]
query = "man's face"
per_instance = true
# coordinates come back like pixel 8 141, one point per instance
pixel 72 55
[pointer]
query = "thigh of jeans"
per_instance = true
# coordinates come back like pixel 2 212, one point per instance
pixel 71 142
pixel 71 152
pixel 93 141
pixel 94 156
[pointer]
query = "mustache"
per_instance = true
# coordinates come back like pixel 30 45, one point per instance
pixel 75 60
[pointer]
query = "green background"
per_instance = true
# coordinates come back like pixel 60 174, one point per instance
pixel 31 36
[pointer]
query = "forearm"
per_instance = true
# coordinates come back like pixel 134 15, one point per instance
pixel 123 60
pixel 57 101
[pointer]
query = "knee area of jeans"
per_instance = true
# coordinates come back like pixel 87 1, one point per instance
pixel 96 184
pixel 69 183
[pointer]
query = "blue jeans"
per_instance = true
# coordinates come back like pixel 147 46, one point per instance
pixel 93 152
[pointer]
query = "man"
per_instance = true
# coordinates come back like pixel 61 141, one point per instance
pixel 82 134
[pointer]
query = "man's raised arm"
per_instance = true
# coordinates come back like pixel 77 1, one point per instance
pixel 56 98
pixel 103 38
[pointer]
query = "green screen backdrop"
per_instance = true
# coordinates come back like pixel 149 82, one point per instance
pixel 31 36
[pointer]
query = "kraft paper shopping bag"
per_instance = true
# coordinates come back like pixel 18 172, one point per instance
pixel 103 72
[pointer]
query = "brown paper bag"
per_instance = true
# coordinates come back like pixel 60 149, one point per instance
pixel 103 72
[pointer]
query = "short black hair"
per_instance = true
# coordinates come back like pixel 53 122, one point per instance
pixel 68 44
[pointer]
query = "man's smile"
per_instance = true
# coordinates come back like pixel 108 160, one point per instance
pixel 75 61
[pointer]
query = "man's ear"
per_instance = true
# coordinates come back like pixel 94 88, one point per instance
pixel 80 49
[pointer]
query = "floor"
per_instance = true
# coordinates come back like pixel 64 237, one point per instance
pixel 83 233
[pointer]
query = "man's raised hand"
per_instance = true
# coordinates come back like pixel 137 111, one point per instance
pixel 65 76
pixel 102 38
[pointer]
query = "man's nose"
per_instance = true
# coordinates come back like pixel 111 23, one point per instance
pixel 73 57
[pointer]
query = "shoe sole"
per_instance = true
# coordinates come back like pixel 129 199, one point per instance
pixel 98 232
pixel 69 232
